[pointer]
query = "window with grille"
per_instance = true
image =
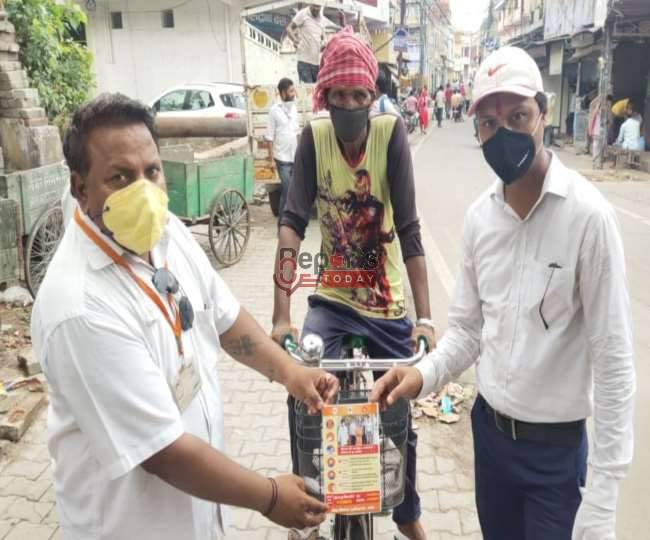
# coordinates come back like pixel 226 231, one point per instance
pixel 167 18
pixel 116 20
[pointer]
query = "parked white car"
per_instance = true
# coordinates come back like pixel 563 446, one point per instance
pixel 211 100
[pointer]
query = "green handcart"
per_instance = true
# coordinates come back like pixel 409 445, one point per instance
pixel 215 192
pixel 31 222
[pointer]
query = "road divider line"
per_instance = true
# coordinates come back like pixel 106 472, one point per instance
pixel 433 255
pixel 637 217
pixel 435 259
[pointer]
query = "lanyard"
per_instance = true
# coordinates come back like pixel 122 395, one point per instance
pixel 119 260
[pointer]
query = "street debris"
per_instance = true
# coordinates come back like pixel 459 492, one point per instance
pixel 16 296
pixel 444 406
pixel 20 401
pixel 33 384
pixel 27 363
pixel 260 195
pixel 21 412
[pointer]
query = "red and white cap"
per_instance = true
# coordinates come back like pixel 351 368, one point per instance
pixel 510 70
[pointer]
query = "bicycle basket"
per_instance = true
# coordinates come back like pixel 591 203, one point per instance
pixel 392 436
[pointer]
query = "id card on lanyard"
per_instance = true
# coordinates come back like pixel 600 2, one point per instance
pixel 187 382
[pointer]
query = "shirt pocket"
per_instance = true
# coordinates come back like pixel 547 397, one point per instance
pixel 550 293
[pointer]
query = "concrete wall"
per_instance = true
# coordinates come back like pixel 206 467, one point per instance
pixel 376 10
pixel 267 64
pixel 144 59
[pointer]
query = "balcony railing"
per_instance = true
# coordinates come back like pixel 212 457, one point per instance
pixel 262 39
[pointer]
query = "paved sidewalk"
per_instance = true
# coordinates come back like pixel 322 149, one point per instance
pixel 256 432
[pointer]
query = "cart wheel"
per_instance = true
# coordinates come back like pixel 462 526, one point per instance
pixel 41 246
pixel 229 227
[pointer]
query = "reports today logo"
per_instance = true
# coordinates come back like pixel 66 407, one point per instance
pixel 335 271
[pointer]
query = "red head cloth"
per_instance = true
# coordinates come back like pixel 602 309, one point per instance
pixel 346 61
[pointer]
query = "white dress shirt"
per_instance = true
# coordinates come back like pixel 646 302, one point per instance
pixel 440 99
pixel 524 370
pixel 383 102
pixel 282 130
pixel 109 357
pixel 630 133
pixel 68 206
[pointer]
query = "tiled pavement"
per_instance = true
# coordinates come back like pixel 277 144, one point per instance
pixel 256 433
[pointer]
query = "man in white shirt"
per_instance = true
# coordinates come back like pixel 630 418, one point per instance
pixel 344 434
pixel 128 326
pixel 440 104
pixel 282 133
pixel 630 132
pixel 368 432
pixel 353 428
pixel 307 34
pixel 383 104
pixel 541 306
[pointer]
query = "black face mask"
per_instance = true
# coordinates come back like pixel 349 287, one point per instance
pixel 510 154
pixel 349 124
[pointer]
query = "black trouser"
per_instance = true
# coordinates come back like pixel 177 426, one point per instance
pixel 525 489
pixel 439 116
pixel 307 73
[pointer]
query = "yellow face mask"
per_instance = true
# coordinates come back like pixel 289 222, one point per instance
pixel 136 215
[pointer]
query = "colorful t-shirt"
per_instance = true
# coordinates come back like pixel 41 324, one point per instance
pixel 364 211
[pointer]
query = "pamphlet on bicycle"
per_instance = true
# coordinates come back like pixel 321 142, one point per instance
pixel 351 455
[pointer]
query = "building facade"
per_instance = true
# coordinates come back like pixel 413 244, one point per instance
pixel 143 47
pixel 586 49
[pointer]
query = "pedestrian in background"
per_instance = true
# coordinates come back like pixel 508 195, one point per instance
pixel 541 306
pixel 630 133
pixel 282 132
pixel 448 94
pixel 306 31
pixel 457 106
pixel 468 97
pixel 411 106
pixel 440 105
pixel 423 110
pixel 383 103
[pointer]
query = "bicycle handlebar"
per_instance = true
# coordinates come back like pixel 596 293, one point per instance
pixel 310 353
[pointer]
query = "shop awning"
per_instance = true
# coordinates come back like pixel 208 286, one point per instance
pixel 583 52
pixel 632 8
pixel 537 51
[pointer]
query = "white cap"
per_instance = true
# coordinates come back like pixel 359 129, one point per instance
pixel 509 69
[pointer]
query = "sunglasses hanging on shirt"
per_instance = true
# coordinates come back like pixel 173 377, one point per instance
pixel 553 267
pixel 166 283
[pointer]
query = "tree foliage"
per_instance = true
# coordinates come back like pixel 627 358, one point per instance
pixel 58 66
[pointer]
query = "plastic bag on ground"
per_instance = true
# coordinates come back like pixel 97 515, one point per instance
pixel 16 296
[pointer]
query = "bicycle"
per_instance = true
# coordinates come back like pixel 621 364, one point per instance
pixel 350 369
